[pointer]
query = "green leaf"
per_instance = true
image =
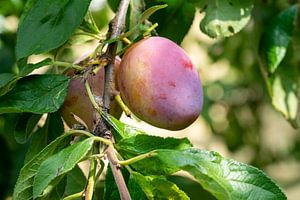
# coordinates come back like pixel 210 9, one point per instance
pixel 119 129
pixel 141 144
pixel 31 124
pixel 138 17
pixel 27 69
pixel 190 186
pixel 225 179
pixel 136 9
pixel 113 4
pixel 283 87
pixel 5 78
pixel 110 188
pixel 57 192
pixel 37 143
pixel 156 187
pixel 21 132
pixel 52 129
pixel 25 125
pixel 7 81
pixel 23 188
pixel 55 127
pixel 199 3
pixel 59 164
pixel 10 7
pixel 225 18
pixel 150 11
pixel 137 189
pixel 111 191
pixel 179 13
pixel 37 94
pixel 89 25
pixel 43 26
pixel 76 181
pixel 276 38
pixel 29 4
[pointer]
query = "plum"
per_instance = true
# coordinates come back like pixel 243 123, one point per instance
pixel 159 84
pixel 77 101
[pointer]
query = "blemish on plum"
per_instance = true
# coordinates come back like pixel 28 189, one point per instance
pixel 71 101
pixel 152 112
pixel 163 96
pixel 172 83
pixel 123 85
pixel 187 64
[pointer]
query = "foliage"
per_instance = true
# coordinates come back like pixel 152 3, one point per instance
pixel 29 101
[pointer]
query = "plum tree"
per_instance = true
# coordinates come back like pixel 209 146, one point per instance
pixel 159 83
pixel 77 102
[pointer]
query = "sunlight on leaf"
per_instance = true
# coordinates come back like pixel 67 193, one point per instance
pixel 277 37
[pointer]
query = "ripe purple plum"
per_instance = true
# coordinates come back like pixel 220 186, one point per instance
pixel 78 103
pixel 159 84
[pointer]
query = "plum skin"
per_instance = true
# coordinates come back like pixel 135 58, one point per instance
pixel 159 84
pixel 78 103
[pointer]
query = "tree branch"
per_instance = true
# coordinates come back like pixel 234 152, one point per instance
pixel 116 170
pixel 117 27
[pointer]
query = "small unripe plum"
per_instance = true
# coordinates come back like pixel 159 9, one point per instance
pixel 78 103
pixel 159 84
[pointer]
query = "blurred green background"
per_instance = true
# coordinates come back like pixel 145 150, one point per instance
pixel 237 120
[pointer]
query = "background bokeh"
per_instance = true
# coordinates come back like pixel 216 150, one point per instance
pixel 237 120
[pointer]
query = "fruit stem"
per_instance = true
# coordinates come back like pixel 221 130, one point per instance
pixel 68 65
pixel 137 158
pixel 103 140
pixel 74 196
pixel 81 132
pixel 149 30
pixel 91 97
pixel 123 106
pixel 101 64
pixel 126 40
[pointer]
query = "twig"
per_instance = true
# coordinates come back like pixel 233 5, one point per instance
pixel 117 27
pixel 115 167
